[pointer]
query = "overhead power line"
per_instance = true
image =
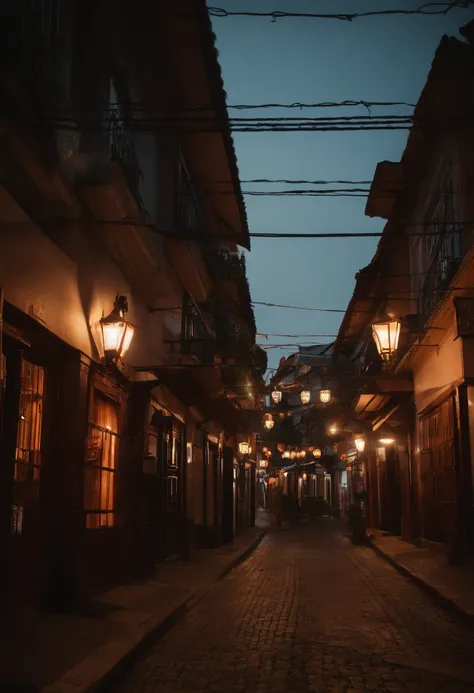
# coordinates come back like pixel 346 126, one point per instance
pixel 199 236
pixel 429 8
pixel 276 334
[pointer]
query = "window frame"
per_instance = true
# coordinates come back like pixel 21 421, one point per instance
pixel 103 389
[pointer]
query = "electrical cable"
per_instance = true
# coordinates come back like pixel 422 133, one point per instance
pixel 429 8
pixel 196 236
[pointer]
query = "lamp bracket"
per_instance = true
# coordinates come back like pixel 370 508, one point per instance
pixel 121 303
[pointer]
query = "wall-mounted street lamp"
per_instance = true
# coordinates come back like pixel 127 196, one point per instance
pixel 305 396
pixel 117 332
pixel 276 396
pixel 325 396
pixel 360 444
pixel 386 334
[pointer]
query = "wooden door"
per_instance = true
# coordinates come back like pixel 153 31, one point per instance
pixel 438 471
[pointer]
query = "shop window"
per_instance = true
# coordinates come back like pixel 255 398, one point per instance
pixel 28 440
pixel 101 463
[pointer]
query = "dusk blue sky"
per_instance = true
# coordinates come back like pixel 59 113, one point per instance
pixel 309 60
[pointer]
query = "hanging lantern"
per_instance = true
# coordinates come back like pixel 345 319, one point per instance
pixel 276 396
pixel 332 430
pixel 117 333
pixel 264 450
pixel 360 444
pixel 286 455
pixel 303 453
pixel 293 454
pixel 305 396
pixel 280 447
pixel 268 421
pixel 305 476
pixel 244 448
pixel 317 453
pixel 268 453
pixel 311 448
pixel 325 396
pixel 386 334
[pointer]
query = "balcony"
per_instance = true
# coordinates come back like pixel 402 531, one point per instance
pixel 122 152
pixel 197 342
pixel 224 265
pixel 447 258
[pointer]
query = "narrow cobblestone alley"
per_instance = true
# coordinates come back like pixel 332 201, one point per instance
pixel 308 611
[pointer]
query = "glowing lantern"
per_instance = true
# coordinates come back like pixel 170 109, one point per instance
pixel 305 396
pixel 269 423
pixel 293 454
pixel 244 448
pixel 332 429
pixel 325 396
pixel 117 333
pixel 276 396
pixel 305 476
pixel 317 453
pixel 360 444
pixel 280 447
pixel 386 334
pixel 303 453
pixel 286 455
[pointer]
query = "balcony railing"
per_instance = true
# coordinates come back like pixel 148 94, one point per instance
pixel 122 152
pixel 447 258
pixel 188 216
pixel 197 337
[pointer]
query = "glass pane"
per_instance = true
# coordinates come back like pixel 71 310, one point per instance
pixel 91 488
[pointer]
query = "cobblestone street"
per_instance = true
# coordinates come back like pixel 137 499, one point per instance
pixel 310 612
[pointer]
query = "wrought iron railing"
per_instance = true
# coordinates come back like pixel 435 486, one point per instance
pixel 446 260
pixel 188 216
pixel 197 336
pixel 122 152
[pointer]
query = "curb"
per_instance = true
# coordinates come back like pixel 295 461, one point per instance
pixel 103 667
pixel 243 556
pixel 428 589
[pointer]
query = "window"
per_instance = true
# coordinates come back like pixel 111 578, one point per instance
pixel 101 463
pixel 28 440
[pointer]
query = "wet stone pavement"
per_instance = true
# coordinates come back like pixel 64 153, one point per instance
pixel 310 612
